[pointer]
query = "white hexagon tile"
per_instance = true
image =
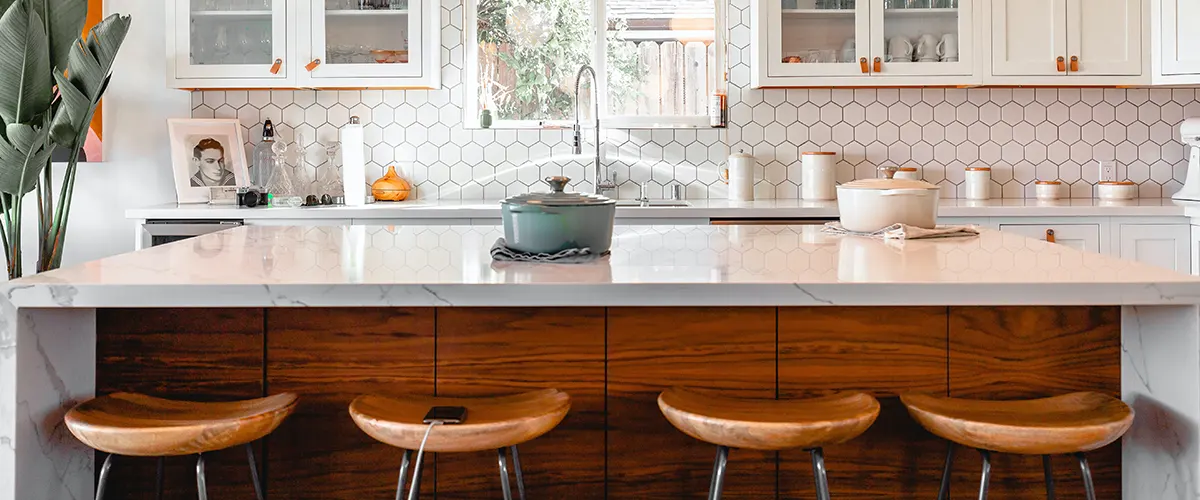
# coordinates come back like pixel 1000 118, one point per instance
pixel 1023 134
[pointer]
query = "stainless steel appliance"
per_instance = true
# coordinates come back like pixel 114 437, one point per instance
pixel 163 231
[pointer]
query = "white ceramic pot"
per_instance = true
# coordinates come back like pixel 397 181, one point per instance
pixel 1048 190
pixel 868 205
pixel 1116 190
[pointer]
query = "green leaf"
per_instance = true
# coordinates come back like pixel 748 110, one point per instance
pixel 25 82
pixel 26 153
pixel 87 77
pixel 64 20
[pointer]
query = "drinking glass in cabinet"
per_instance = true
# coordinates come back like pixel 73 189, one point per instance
pixel 789 4
pixel 917 4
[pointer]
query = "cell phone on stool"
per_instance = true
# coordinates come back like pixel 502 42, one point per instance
pixel 446 415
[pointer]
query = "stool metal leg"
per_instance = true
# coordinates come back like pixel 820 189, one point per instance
pixel 520 477
pixel 818 465
pixel 1049 477
pixel 415 490
pixel 987 474
pixel 254 471
pixel 201 486
pixel 158 480
pixel 944 490
pixel 504 486
pixel 403 474
pixel 104 469
pixel 1087 476
pixel 718 476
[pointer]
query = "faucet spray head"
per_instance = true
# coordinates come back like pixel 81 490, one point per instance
pixel 577 144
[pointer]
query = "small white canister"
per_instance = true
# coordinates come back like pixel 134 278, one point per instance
pixel 818 176
pixel 741 176
pixel 909 173
pixel 979 183
pixel 1116 190
pixel 1048 190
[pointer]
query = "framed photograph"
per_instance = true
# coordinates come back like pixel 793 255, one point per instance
pixel 205 154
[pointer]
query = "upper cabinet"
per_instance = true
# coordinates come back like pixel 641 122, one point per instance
pixel 819 43
pixel 303 44
pixel 1066 42
pixel 1176 42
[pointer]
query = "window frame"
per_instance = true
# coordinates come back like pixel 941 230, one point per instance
pixel 599 63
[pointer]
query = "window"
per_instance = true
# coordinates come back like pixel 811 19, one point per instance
pixel 658 61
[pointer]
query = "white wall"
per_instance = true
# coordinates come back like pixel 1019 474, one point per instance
pixel 136 171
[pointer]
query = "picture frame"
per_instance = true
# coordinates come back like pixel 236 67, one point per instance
pixel 206 153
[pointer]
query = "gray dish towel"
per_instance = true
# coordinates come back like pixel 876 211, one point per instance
pixel 501 252
pixel 906 232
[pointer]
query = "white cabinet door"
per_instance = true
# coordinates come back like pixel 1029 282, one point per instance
pixel 1179 36
pixel 1162 245
pixel 1104 37
pixel 941 38
pixel 1084 237
pixel 808 38
pixel 395 43
pixel 1029 37
pixel 227 42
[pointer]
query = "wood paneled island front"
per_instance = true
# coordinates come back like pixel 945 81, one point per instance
pixel 330 314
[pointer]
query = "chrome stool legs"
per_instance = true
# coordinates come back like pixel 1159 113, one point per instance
pixel 501 458
pixel 201 485
pixel 717 484
pixel 416 486
pixel 1085 470
pixel 201 481
pixel 104 470
pixel 258 492
pixel 158 479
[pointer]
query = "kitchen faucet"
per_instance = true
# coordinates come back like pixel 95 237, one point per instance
pixel 603 183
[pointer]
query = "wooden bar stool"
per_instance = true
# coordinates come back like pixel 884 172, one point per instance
pixel 137 425
pixel 1072 424
pixel 769 424
pixel 493 423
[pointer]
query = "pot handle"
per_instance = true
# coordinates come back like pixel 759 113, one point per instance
pixel 903 192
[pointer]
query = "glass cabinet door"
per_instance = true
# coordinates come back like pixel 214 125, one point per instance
pixel 817 37
pixel 367 39
pixel 922 37
pixel 230 39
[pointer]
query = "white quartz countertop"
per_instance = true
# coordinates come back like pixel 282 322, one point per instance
pixel 259 266
pixel 718 209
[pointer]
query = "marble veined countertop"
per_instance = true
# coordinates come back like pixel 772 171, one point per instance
pixel 784 208
pixel 262 266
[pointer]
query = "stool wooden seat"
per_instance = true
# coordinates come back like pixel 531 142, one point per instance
pixel 492 423
pixel 1073 423
pixel 145 426
pixel 768 424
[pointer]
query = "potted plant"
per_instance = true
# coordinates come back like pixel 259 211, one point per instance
pixel 51 80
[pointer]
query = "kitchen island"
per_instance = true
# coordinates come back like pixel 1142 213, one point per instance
pixel 757 311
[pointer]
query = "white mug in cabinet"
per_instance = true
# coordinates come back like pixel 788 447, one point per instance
pixel 927 48
pixel 1048 190
pixel 947 49
pixel 979 183
pixel 910 173
pixel 1116 190
pixel 900 49
pixel 741 176
pixel 818 176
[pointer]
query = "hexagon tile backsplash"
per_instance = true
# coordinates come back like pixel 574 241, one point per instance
pixel 1023 134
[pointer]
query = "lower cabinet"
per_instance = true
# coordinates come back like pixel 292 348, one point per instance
pixel 1162 245
pixel 1084 237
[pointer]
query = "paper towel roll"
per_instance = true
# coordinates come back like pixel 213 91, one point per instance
pixel 354 164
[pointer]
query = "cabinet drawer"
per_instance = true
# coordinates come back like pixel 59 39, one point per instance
pixel 1078 236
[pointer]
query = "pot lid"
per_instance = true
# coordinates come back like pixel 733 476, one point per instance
pixel 741 154
pixel 888 182
pixel 1117 183
pixel 557 197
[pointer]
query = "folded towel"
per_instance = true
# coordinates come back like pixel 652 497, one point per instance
pixel 906 232
pixel 501 252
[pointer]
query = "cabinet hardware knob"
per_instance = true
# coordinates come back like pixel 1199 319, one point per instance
pixel 1050 235
pixel 1074 64
pixel 878 64
pixel 275 67
pixel 312 65
pixel 1062 64
pixel 862 61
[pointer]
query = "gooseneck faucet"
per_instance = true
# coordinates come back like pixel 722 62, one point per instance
pixel 602 183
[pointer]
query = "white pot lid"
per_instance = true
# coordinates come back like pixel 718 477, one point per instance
pixel 558 197
pixel 886 184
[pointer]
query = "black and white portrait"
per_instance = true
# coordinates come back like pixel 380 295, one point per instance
pixel 208 166
pixel 205 154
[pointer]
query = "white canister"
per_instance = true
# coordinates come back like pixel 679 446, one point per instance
pixel 1116 190
pixel 741 176
pixel 909 173
pixel 818 176
pixel 1048 190
pixel 979 183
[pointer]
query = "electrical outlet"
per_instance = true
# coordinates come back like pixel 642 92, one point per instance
pixel 1108 170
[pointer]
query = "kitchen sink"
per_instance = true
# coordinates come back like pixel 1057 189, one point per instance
pixel 653 203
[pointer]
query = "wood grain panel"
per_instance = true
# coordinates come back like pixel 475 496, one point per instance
pixel 329 357
pixel 879 350
pixel 487 352
pixel 192 354
pixel 1023 352
pixel 731 350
